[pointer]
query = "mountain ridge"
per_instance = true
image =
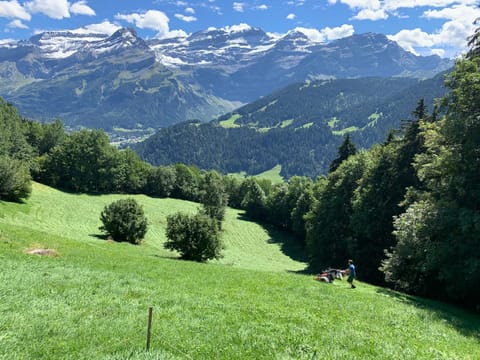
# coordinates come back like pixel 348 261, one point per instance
pixel 125 81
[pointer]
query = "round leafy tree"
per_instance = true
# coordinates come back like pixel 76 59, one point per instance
pixel 195 237
pixel 15 180
pixel 124 220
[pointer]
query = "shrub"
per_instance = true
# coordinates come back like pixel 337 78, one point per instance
pixel 124 220
pixel 195 237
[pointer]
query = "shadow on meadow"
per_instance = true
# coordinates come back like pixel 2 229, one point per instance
pixel 99 236
pixel 465 322
pixel 289 245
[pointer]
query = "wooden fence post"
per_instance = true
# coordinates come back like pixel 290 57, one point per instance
pixel 149 327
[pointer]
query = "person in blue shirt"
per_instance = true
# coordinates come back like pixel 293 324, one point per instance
pixel 351 273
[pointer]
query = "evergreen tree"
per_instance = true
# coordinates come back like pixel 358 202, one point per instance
pixel 420 111
pixel 474 42
pixel 346 149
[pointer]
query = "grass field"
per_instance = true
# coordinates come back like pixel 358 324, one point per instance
pixel 91 300
pixel 273 175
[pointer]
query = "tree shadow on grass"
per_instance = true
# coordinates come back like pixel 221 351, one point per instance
pixel 289 245
pixel 99 236
pixel 465 322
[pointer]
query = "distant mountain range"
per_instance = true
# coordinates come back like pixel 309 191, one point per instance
pixel 121 80
pixel 299 127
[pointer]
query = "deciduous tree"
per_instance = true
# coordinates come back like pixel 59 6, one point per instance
pixel 124 220
pixel 195 237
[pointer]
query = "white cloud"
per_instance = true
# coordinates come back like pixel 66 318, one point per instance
pixel 460 12
pixel 392 5
pixel 361 4
pixel 216 9
pixel 17 24
pixel 369 14
pixel 55 9
pixel 411 39
pixel 6 42
pixel 236 28
pixel 81 8
pixel 296 3
pixel 454 33
pixel 262 7
pixel 174 34
pixel 186 18
pixel 105 27
pixel 449 40
pixel 238 6
pixel 338 32
pixel 313 34
pixel 291 16
pixel 12 9
pixel 367 9
pixel 190 10
pixel 152 19
pixel 380 10
pixel 327 34
pixel 439 52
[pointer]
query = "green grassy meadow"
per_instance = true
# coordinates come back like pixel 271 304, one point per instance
pixel 273 175
pixel 91 300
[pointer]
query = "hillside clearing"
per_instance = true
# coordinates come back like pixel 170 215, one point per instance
pixel 91 300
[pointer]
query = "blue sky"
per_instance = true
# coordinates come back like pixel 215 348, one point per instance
pixel 422 26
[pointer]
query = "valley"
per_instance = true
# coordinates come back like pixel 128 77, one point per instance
pixel 173 186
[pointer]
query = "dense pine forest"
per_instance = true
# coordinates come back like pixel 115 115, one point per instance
pixel 407 210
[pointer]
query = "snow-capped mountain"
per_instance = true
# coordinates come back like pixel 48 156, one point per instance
pixel 228 48
pixel 60 45
pixel 123 79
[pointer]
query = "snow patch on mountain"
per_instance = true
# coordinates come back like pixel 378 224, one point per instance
pixel 62 44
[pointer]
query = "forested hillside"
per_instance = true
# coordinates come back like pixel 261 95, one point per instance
pixel 299 127
pixel 407 210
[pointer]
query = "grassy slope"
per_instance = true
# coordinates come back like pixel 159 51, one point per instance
pixel 91 301
pixel 273 175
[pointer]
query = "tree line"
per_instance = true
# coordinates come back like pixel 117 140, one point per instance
pixel 407 210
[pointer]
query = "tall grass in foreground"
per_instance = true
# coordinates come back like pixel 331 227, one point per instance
pixel 91 301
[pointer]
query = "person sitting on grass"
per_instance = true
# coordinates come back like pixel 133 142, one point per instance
pixel 351 273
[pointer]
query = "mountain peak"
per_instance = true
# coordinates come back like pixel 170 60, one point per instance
pixel 126 35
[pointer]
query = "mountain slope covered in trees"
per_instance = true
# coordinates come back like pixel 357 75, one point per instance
pixel 299 127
